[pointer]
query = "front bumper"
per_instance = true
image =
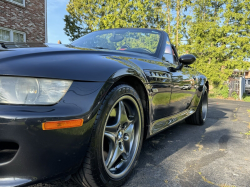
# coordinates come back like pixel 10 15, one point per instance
pixel 44 155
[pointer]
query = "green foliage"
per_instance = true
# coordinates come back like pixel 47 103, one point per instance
pixel 248 133
pixel 73 27
pixel 220 91
pixel 219 37
pixel 217 32
pixel 224 92
pixel 212 95
pixel 235 95
pixel 94 15
pixel 246 98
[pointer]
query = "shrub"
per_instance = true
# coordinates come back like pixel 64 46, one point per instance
pixel 224 92
pixel 212 95
pixel 246 98
pixel 235 95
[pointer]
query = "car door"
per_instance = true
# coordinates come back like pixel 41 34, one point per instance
pixel 181 97
pixel 160 81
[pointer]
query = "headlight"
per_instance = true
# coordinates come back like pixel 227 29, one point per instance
pixel 32 91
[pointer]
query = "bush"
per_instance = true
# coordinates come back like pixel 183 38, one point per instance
pixel 224 92
pixel 220 91
pixel 246 98
pixel 235 95
pixel 212 95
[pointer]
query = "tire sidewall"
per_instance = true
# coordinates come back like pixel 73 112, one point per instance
pixel 99 127
pixel 204 94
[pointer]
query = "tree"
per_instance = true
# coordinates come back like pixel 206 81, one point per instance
pixel 217 32
pixel 178 10
pixel 72 27
pixel 217 36
pixel 86 16
pixel 168 6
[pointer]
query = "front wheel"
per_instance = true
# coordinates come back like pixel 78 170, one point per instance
pixel 199 117
pixel 116 140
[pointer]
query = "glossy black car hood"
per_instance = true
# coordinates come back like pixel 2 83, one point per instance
pixel 64 63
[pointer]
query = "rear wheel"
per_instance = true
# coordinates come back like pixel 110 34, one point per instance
pixel 199 117
pixel 116 140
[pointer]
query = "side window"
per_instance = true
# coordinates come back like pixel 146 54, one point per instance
pixel 169 54
pixel 175 57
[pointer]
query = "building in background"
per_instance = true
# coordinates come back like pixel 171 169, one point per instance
pixel 23 21
pixel 247 74
pixel 242 73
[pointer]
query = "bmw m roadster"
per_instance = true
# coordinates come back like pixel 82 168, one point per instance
pixel 84 109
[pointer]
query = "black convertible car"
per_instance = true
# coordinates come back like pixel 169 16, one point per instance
pixel 83 110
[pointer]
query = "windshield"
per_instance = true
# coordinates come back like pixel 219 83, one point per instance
pixel 133 40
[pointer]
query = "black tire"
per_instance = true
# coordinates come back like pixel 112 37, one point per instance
pixel 199 117
pixel 93 171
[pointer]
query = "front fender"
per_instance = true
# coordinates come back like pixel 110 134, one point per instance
pixel 128 72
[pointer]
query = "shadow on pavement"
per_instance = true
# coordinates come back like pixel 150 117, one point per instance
pixel 179 140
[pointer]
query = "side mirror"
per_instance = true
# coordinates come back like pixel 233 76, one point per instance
pixel 184 60
pixel 187 59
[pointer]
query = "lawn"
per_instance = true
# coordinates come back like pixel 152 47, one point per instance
pixel 192 90
pixel 246 98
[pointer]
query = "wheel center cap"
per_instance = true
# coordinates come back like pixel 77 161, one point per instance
pixel 120 135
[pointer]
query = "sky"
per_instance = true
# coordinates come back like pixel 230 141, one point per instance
pixel 56 9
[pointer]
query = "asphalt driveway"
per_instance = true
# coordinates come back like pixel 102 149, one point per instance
pixel 215 154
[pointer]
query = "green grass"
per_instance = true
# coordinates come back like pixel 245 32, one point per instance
pixel 246 98
pixel 192 90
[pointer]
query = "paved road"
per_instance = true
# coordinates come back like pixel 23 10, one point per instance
pixel 215 154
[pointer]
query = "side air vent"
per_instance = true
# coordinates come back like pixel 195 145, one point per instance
pixel 158 76
pixel 161 75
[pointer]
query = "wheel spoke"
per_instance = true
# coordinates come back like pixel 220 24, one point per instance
pixel 129 130
pixel 122 118
pixel 119 165
pixel 118 150
pixel 112 142
pixel 111 136
pixel 122 114
pixel 129 138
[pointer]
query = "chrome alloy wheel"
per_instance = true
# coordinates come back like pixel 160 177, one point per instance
pixel 204 106
pixel 121 137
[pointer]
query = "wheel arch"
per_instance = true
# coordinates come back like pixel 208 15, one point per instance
pixel 140 88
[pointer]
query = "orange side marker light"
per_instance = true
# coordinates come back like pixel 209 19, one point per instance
pixel 52 125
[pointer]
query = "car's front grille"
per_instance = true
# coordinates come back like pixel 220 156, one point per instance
pixel 7 151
